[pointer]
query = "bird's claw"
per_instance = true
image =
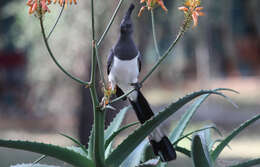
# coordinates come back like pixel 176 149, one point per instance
pixel 136 85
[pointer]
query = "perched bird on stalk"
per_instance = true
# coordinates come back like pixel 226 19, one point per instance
pixel 123 68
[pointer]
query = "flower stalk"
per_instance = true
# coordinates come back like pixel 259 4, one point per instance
pixel 99 116
pixel 54 59
pixel 110 23
pixel 58 19
pixel 154 35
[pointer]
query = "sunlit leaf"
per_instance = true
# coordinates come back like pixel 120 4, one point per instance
pixel 133 140
pixel 199 152
pixel 118 132
pixel 249 163
pixel 186 117
pixel 78 150
pixel 91 144
pixel 60 153
pixel 83 148
pixel 38 160
pixel 135 157
pixel 233 134
pixel 150 163
pixel 183 151
pixel 195 131
pixel 34 165
pixel 113 127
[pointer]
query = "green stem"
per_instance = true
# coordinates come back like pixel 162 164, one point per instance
pixel 58 19
pixel 180 34
pixel 154 35
pixel 99 151
pixel 38 160
pixel 121 97
pixel 110 23
pixel 101 71
pixel 100 67
pixel 99 116
pixel 54 59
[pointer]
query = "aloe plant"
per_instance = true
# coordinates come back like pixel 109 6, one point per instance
pixel 204 155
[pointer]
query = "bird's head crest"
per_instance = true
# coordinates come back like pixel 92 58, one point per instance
pixel 126 26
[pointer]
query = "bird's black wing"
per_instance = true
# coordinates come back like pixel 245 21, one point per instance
pixel 139 62
pixel 110 60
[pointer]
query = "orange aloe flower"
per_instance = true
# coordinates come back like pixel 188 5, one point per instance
pixel 65 2
pixel 36 5
pixel 192 7
pixel 41 6
pixel 150 4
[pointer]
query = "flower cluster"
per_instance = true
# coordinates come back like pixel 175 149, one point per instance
pixel 35 5
pixel 61 2
pixel 41 6
pixel 192 8
pixel 150 4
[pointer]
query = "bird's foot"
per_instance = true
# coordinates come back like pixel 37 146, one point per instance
pixel 108 92
pixel 137 85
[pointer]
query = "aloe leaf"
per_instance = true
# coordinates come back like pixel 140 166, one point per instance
pixel 248 163
pixel 199 152
pixel 115 124
pixel 76 142
pixel 58 152
pixel 148 153
pixel 190 133
pixel 162 164
pixel 233 134
pixel 91 144
pixel 212 143
pixel 133 140
pixel 135 157
pixel 77 150
pixel 185 119
pixel 207 135
pixel 35 165
pixel 108 150
pixel 227 89
pixel 150 163
pixel 112 128
pixel 183 151
pixel 111 138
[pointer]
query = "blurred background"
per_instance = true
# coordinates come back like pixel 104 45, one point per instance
pixel 37 101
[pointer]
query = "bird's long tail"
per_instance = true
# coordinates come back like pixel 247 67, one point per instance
pixel 162 146
pixel 142 108
pixel 160 143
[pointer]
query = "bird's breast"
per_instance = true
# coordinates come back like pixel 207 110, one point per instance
pixel 125 71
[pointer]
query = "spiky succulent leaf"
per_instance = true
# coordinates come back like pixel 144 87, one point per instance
pixel 233 134
pixel 58 152
pixel 133 140
pixel 199 152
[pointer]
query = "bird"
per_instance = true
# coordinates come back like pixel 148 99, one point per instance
pixel 123 68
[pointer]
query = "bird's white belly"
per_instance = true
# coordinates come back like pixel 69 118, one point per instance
pixel 123 73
